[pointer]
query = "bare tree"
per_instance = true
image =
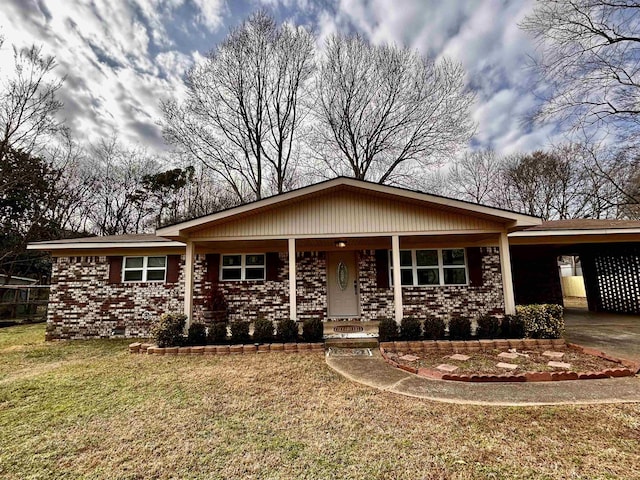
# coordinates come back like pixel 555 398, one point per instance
pixel 244 108
pixel 119 203
pixel 613 175
pixel 384 112
pixel 475 176
pixel 589 56
pixel 28 102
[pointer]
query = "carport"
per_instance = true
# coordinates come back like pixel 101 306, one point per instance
pixel 610 255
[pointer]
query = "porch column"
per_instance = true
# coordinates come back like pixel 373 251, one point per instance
pixel 190 254
pixel 507 280
pixel 397 285
pixel 292 279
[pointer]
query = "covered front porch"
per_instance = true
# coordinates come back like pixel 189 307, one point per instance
pixel 346 236
pixel 352 278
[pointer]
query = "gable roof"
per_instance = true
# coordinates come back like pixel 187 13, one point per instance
pixel 512 219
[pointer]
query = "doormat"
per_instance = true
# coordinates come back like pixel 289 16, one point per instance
pixel 348 328
pixel 349 352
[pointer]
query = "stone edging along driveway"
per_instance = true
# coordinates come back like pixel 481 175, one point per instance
pixel 628 368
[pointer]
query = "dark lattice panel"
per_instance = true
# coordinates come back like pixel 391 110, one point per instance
pixel 618 278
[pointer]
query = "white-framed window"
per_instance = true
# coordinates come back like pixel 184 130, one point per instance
pixel 144 269
pixel 431 267
pixel 242 266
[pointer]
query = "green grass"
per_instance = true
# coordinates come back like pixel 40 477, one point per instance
pixel 88 409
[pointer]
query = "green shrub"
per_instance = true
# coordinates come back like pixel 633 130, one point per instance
pixel 287 331
pixel 312 330
pixel 488 327
pixel 197 334
pixel 541 321
pixel 263 331
pixel 434 328
pixel 410 328
pixel 387 330
pixel 459 328
pixel 217 334
pixel 512 326
pixel 240 332
pixel 168 330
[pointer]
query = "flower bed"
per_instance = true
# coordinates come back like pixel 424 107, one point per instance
pixel 148 348
pixel 519 360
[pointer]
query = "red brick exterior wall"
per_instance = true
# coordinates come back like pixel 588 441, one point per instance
pixel 439 301
pixel 83 304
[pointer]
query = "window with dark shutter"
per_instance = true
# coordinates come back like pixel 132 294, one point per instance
pixel 382 268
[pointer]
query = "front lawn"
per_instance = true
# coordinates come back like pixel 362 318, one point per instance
pixel 89 409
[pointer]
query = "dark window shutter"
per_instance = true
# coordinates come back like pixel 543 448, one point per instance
pixel 213 267
pixel 272 260
pixel 115 269
pixel 382 268
pixel 173 268
pixel 474 263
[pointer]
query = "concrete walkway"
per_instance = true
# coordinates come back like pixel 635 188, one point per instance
pixel 375 372
pixel 618 335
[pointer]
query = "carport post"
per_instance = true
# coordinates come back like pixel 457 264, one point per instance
pixel 507 280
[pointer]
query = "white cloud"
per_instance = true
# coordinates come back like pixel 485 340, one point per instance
pixel 120 59
pixel 210 13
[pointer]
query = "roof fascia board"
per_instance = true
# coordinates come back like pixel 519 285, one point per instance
pixel 102 245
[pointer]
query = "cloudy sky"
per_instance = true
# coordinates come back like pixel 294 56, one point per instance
pixel 120 57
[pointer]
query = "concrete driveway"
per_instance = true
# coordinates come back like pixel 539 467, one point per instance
pixel 618 335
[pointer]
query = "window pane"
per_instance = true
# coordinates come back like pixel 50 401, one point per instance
pixel 454 276
pixel 254 274
pixel 156 261
pixel 453 257
pixel 153 275
pixel 231 274
pixel 133 276
pixel 255 259
pixel 231 260
pixel 133 262
pixel 406 277
pixel 426 258
pixel 428 276
pixel 405 258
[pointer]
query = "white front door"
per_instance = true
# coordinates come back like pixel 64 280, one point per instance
pixel 342 285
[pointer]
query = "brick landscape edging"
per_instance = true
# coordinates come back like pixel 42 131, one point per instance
pixel 629 368
pixel 149 348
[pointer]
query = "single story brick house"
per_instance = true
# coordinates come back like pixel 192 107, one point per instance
pixel 328 250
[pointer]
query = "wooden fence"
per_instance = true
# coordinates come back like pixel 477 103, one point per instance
pixel 24 301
